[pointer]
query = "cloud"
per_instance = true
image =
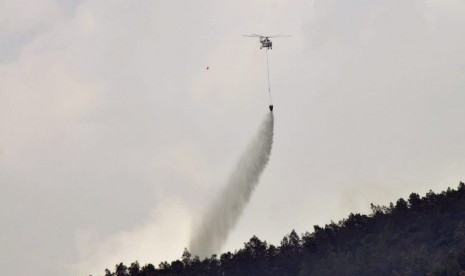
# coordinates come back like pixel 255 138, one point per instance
pixel 25 16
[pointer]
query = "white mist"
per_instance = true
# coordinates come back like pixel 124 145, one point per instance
pixel 222 215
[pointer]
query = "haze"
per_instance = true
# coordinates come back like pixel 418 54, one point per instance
pixel 114 136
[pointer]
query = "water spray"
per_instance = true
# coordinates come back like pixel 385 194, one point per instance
pixel 222 215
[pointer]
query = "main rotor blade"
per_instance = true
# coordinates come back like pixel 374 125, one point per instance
pixel 279 35
pixel 266 36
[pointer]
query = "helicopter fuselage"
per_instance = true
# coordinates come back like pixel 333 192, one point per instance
pixel 266 43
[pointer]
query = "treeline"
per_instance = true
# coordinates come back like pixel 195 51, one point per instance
pixel 418 236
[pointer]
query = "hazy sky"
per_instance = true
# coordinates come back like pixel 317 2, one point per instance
pixel 114 137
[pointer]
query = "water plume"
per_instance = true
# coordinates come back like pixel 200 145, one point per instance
pixel 222 215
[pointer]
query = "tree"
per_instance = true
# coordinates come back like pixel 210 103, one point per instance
pixel 121 270
pixel 186 257
pixel 414 201
pixel 148 270
pixel 134 269
pixel 255 247
pixel 401 205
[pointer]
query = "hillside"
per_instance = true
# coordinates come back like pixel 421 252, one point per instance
pixel 418 236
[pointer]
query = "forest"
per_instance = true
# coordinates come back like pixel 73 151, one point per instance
pixel 414 236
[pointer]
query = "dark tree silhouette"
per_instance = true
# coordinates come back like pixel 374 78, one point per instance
pixel 419 236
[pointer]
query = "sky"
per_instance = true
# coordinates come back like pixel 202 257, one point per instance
pixel 114 137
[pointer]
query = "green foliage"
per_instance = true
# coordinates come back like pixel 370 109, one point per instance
pixel 420 236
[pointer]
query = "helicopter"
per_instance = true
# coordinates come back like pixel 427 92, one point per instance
pixel 265 40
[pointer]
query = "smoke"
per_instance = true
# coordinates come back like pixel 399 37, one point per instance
pixel 223 214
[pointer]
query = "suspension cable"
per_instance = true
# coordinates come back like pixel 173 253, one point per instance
pixel 268 71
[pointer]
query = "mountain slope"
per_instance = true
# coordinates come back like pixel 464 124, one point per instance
pixel 418 236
